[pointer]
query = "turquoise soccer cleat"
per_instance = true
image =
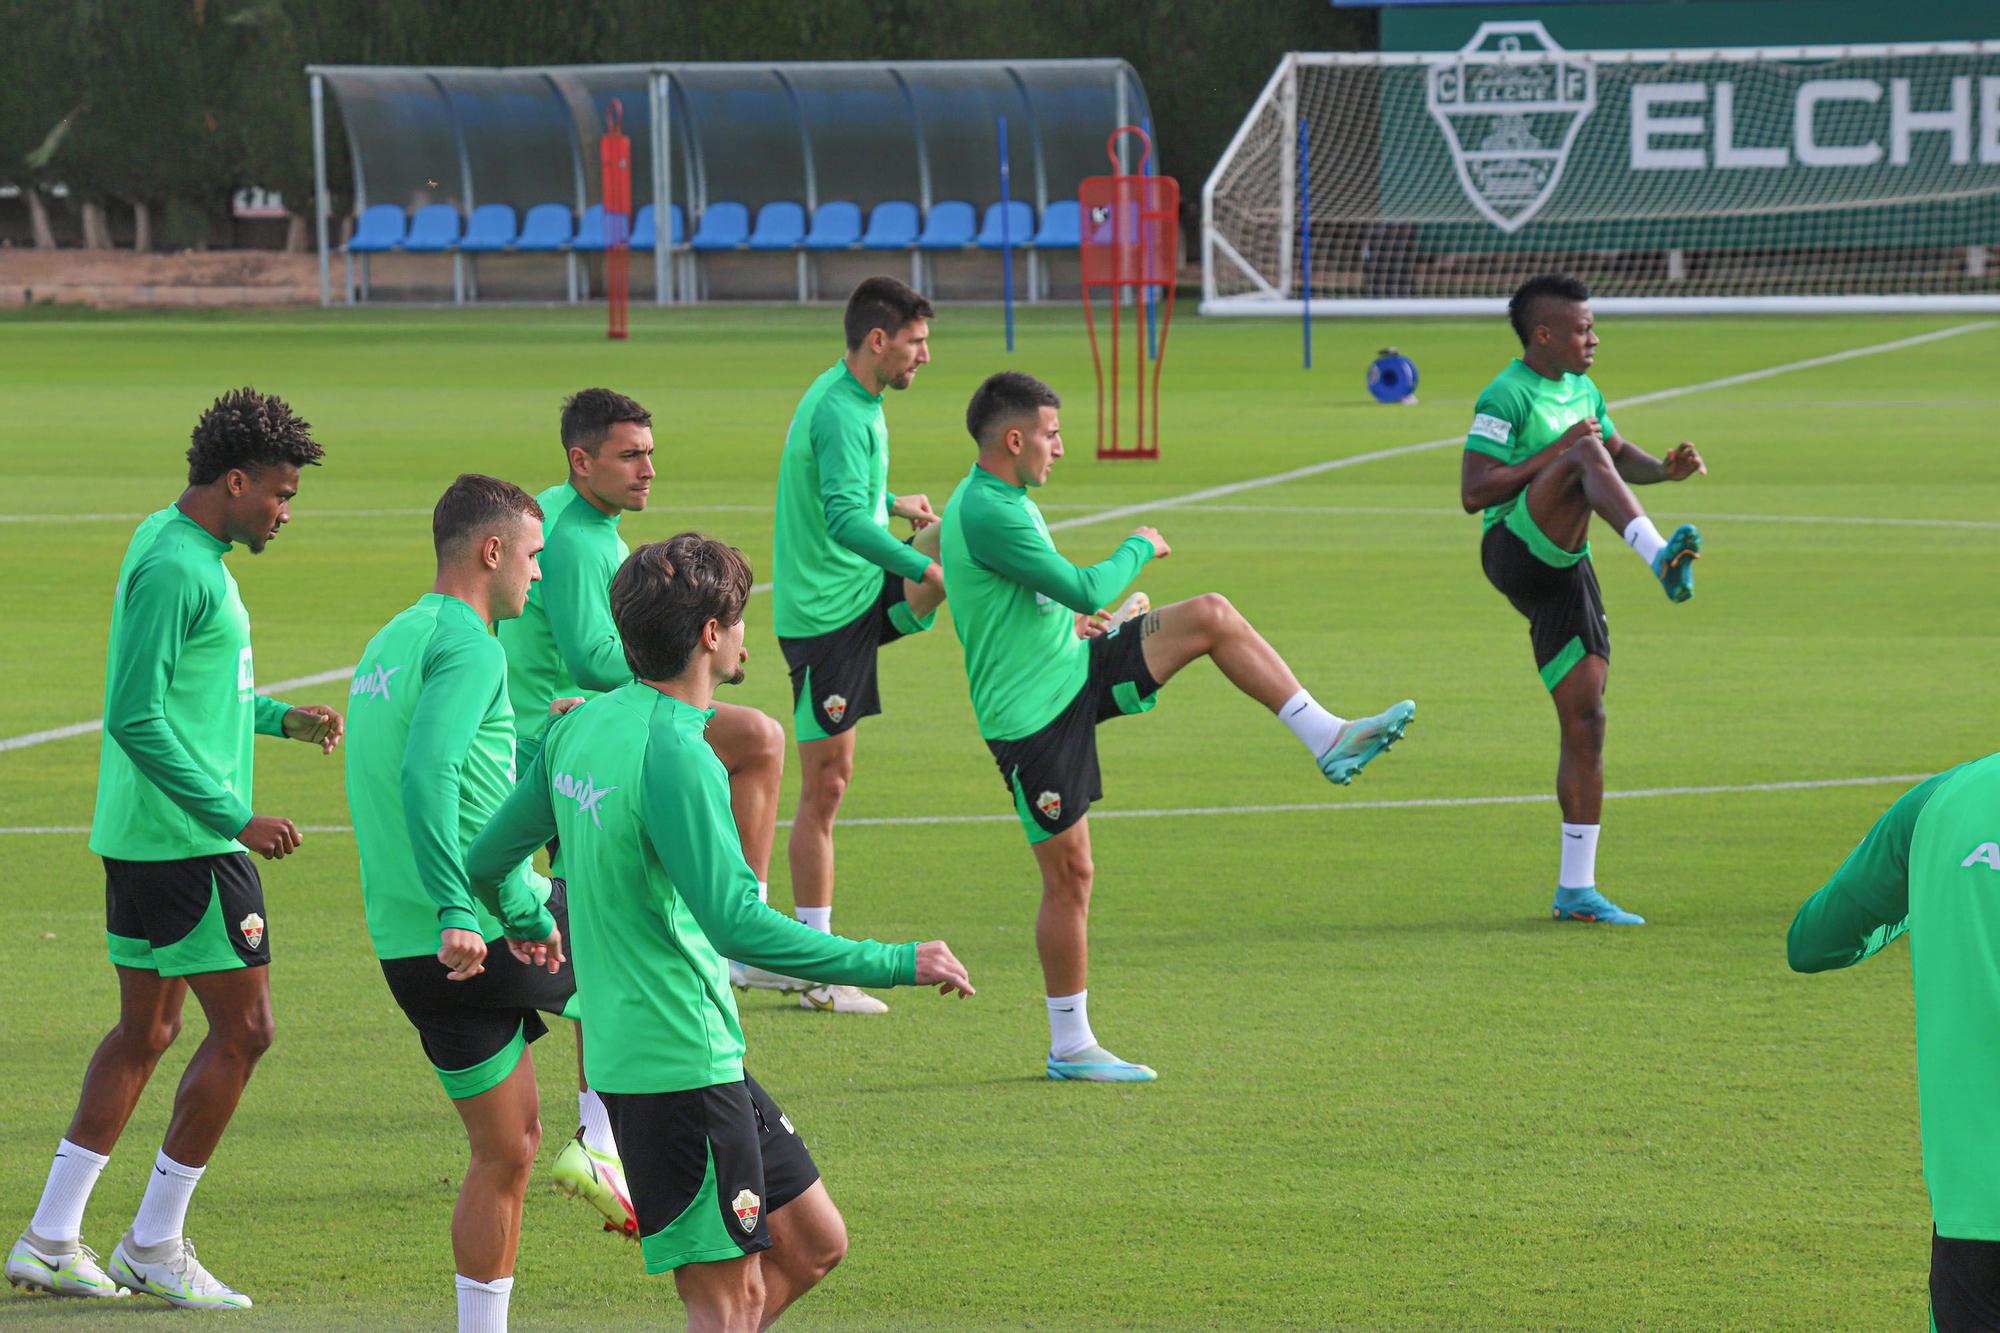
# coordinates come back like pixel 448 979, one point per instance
pixel 1094 1064
pixel 1673 566
pixel 1590 905
pixel 1363 739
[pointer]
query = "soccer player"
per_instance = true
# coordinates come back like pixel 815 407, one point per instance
pixel 564 644
pixel 842 586
pixel 728 1197
pixel 174 824
pixel 1930 867
pixel 1043 679
pixel 1542 457
pixel 431 754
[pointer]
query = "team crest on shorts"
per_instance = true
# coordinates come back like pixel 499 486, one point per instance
pixel 746 1206
pixel 835 706
pixel 1050 804
pixel 252 927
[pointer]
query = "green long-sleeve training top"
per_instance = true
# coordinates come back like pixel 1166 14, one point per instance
pixel 1930 868
pixel 564 643
pixel 659 893
pixel 181 707
pixel 431 754
pixel 1011 592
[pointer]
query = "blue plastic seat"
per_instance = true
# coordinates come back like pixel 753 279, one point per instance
pixel 892 226
pixel 491 227
pixel 951 226
pixel 1020 225
pixel 836 226
pixel 645 234
pixel 380 228
pixel 591 234
pixel 781 225
pixel 433 230
pixel 1062 226
pixel 547 227
pixel 723 226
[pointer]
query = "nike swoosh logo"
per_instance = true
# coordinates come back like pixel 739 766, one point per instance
pixel 158 1172
pixel 1068 1009
pixel 1577 836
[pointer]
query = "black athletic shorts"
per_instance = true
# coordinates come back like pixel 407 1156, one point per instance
pixel 179 918
pixel 707 1167
pixel 1564 608
pixel 833 674
pixel 473 1031
pixel 1965 1285
pixel 1052 774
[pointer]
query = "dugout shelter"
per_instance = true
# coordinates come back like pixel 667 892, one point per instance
pixel 748 179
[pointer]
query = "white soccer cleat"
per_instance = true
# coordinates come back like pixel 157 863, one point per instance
pixel 40 1265
pixel 1138 604
pixel 745 977
pixel 174 1275
pixel 841 1000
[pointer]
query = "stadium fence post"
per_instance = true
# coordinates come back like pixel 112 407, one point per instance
pixel 1305 244
pixel 1006 236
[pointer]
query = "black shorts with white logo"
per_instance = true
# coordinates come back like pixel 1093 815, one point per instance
pixel 834 681
pixel 473 1031
pixel 707 1167
pixel 1563 604
pixel 181 918
pixel 1052 774
pixel 1965 1285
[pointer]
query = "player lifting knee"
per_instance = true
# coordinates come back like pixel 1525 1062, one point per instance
pixel 1044 671
pixel 1542 457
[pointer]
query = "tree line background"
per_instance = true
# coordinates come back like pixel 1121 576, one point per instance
pixel 153 113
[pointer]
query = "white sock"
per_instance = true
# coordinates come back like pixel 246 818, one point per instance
pixel 72 1175
pixel 1069 1024
pixel 1316 728
pixel 763 892
pixel 163 1212
pixel 1579 860
pixel 1643 537
pixel 482 1306
pixel 819 918
pixel 596 1120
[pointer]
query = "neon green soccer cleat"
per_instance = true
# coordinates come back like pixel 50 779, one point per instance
pixel 600 1181
pixel 72 1270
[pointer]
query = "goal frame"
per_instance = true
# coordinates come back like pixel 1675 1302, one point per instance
pixel 1282 91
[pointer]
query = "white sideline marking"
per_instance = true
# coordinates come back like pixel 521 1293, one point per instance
pixel 1237 487
pixel 1225 811
pixel 1854 520
pixel 1656 396
pixel 313 514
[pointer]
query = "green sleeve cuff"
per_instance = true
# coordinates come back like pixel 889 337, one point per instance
pixel 235 815
pixel 1141 545
pixel 536 927
pixel 906 965
pixel 457 918
pixel 269 715
pixel 913 564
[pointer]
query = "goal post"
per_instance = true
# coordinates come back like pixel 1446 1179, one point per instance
pixel 1861 178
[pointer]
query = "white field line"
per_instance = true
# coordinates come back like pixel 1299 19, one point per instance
pixel 313 515
pixel 1834 520
pixel 1656 396
pixel 1228 811
pixel 1238 487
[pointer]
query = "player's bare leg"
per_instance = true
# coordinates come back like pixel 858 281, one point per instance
pixel 1582 482
pixel 925 598
pixel 237 1005
pixel 723 1297
pixel 505 1129
pixel 752 747
pixel 808 1239
pixel 149 1018
pixel 1208 626
pixel 826 766
pixel 1579 701
pixel 1062 939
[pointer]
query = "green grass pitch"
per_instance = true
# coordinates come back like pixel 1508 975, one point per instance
pixel 1392 1094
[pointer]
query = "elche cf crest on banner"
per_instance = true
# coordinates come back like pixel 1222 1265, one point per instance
pixel 1510 125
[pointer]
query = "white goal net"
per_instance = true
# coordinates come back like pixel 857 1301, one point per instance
pixel 1805 177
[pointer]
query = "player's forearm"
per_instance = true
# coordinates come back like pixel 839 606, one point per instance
pixel 1833 930
pixel 150 743
pixel 1042 570
pixel 852 528
pixel 1634 464
pixel 523 822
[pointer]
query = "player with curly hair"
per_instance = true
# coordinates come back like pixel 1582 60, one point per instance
pixel 175 825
